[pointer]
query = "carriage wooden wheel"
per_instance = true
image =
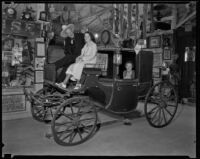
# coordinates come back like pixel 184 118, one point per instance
pixel 161 104
pixel 74 121
pixel 48 98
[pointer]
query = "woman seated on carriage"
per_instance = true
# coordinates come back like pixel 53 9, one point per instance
pixel 88 56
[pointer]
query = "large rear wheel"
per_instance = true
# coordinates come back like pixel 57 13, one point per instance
pixel 161 104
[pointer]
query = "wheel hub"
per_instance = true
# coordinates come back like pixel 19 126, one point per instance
pixel 75 120
pixel 163 104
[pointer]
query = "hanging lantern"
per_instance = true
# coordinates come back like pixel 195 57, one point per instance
pixel 117 58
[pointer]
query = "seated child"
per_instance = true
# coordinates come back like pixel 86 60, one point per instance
pixel 129 73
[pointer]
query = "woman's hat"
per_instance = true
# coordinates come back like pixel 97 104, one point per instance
pixel 64 28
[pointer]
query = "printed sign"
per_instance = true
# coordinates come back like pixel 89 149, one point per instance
pixel 13 103
pixel 21 27
pixel 157 59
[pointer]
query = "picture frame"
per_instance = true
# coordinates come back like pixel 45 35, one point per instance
pixel 156 72
pixel 7 44
pixel 7 55
pixel 39 76
pixel 39 63
pixel 40 49
pixel 43 16
pixel 155 41
pixel 166 54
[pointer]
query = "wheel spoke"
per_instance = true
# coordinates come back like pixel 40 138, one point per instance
pixel 160 119
pixel 79 108
pixel 80 134
pixel 152 110
pixel 67 135
pixel 155 114
pixel 86 128
pixel 88 112
pixel 164 116
pixel 39 110
pixel 72 137
pixel 71 108
pixel 45 114
pixel 60 124
pixel 66 115
pixel 51 112
pixel 168 111
pixel 170 105
pixel 86 119
pixel 157 120
pixel 64 131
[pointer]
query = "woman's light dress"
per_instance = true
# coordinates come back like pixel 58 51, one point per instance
pixel 88 56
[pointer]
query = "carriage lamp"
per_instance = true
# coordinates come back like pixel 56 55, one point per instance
pixel 117 58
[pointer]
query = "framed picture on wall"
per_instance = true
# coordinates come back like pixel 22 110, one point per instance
pixel 7 44
pixel 156 72
pixel 157 59
pixel 39 63
pixel 167 54
pixel 155 42
pixel 40 49
pixel 39 76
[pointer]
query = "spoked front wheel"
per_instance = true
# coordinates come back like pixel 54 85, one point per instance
pixel 42 112
pixel 74 121
pixel 161 104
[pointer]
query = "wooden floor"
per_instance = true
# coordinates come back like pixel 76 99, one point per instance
pixel 27 137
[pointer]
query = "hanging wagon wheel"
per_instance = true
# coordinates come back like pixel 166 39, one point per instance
pixel 161 104
pixel 41 112
pixel 74 122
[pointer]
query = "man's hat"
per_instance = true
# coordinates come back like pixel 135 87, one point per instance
pixel 64 28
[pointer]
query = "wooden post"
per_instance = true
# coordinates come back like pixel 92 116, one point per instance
pixel 174 16
pixel 115 17
pixel 144 20
pixel 129 20
pixel 121 19
pixel 152 20
pixel 137 24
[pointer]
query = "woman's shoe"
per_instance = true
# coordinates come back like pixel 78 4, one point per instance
pixel 78 86
pixel 62 85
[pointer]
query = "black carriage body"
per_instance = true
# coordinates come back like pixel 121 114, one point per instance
pixel 114 93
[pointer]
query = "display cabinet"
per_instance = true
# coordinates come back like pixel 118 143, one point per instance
pixel 19 55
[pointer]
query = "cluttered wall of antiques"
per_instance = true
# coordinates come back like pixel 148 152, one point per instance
pixel 31 42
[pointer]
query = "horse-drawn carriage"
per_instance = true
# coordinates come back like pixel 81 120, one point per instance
pixel 75 112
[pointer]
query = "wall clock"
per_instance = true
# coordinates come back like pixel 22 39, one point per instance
pixel 105 37
pixel 10 12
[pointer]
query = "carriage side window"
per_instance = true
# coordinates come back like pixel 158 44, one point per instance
pixel 129 73
pixel 102 62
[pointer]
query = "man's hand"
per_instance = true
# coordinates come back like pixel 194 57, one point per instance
pixel 79 58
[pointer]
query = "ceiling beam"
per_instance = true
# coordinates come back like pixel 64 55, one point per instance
pixel 98 5
pixel 186 19
pixel 96 14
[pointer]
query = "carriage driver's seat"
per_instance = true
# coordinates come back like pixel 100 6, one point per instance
pixel 95 70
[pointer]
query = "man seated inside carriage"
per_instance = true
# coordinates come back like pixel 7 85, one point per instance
pixel 88 56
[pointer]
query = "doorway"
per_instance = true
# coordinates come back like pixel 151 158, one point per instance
pixel 187 69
